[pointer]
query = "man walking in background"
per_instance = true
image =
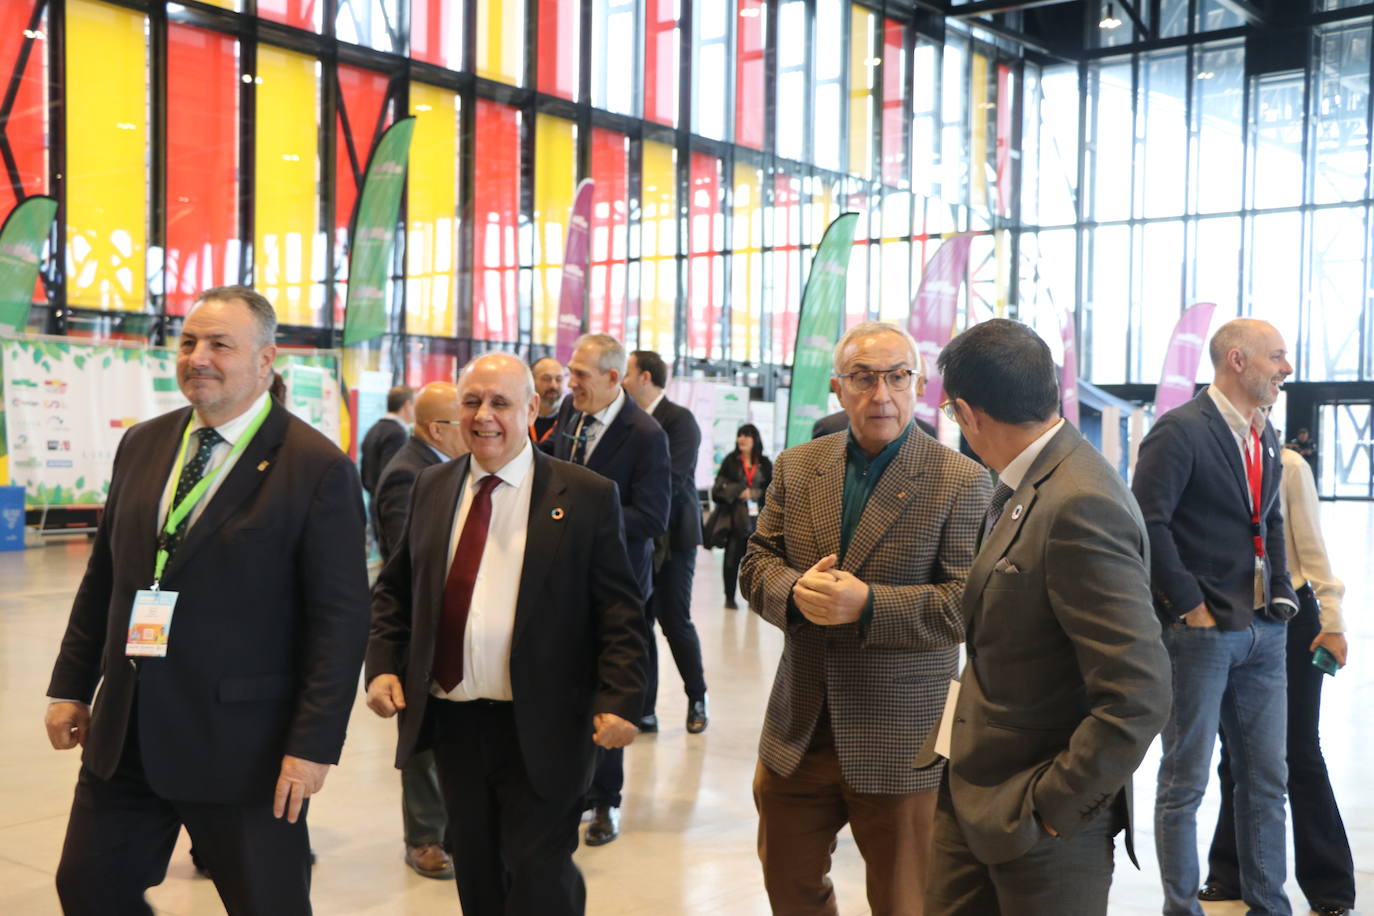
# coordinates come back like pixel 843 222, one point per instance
pixel 386 436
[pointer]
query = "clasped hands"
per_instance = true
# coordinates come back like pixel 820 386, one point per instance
pixel 386 697
pixel 827 596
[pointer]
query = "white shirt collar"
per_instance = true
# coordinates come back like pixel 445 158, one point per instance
pixel 658 400
pixel 442 456
pixel 231 431
pixel 1240 427
pixel 607 414
pixel 1015 472
pixel 512 472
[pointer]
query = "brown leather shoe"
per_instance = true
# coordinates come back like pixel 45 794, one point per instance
pixel 430 861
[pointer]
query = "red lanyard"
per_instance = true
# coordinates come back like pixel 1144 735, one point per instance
pixel 1254 471
pixel 749 471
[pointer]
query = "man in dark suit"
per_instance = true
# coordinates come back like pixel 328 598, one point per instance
pixel 671 602
pixel 1208 486
pixel 436 437
pixel 602 427
pixel 507 631
pixel 250 524
pixel 1067 682
pixel 386 436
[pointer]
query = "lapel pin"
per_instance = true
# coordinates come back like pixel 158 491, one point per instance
pixel 901 495
pixel 262 466
pixel 1016 513
pixel 1271 451
pixel 557 514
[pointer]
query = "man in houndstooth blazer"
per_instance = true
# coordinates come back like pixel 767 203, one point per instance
pixel 859 558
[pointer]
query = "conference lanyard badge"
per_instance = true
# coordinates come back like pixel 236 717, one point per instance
pixel 150 623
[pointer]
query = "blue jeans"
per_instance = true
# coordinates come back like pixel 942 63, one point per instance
pixel 1236 681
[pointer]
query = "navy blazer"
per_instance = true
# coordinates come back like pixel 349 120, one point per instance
pixel 391 499
pixel 684 444
pixel 1191 485
pixel 633 452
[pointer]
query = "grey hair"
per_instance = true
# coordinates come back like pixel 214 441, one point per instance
pixel 610 353
pixel 869 329
pixel 526 375
pixel 262 311
pixel 1236 334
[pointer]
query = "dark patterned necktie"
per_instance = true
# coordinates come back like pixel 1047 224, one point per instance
pixel 582 442
pixel 999 502
pixel 191 473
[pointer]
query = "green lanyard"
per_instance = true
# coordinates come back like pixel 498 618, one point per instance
pixel 183 508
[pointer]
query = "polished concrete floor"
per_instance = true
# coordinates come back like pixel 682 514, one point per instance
pixel 688 840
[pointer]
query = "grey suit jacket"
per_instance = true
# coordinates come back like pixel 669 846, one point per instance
pixel 1067 681
pixel 883 683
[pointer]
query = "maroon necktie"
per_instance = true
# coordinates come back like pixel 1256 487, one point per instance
pixel 462 576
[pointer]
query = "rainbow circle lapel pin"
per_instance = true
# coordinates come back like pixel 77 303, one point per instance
pixel 1016 513
pixel 557 514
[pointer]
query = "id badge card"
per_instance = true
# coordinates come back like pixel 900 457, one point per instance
pixel 753 507
pixel 150 621
pixel 945 733
pixel 1259 582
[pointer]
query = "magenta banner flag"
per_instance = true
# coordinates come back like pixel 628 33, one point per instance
pixel 933 312
pixel 1179 378
pixel 572 296
pixel 1068 382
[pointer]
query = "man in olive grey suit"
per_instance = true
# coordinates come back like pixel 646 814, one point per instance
pixel 1067 680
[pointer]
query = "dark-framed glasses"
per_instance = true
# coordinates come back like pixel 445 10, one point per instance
pixel 867 379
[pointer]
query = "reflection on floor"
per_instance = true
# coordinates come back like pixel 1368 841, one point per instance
pixel 688 841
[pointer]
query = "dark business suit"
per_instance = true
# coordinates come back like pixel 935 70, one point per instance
pixel 1066 685
pixel 381 443
pixel 671 602
pixel 422 806
pixel 1191 484
pixel 262 662
pixel 577 652
pixel 632 452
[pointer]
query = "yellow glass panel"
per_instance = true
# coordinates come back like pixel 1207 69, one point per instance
pixel 746 300
pixel 501 41
pixel 286 193
pixel 658 272
pixel 863 66
pixel 555 163
pixel 432 201
pixel 978 133
pixel 107 152
pixel 234 5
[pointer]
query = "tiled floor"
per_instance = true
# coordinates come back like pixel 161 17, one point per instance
pixel 688 841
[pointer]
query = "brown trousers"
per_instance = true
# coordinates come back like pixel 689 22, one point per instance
pixel 799 818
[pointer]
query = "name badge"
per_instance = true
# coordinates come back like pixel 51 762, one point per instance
pixel 753 507
pixel 150 622
pixel 1259 582
pixel 946 727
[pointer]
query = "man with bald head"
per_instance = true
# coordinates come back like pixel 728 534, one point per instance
pixel 508 633
pixel 550 378
pixel 1208 486
pixel 434 438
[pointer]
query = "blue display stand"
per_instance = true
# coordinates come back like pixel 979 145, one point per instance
pixel 11 518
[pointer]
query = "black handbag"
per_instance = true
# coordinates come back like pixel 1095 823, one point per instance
pixel 720 525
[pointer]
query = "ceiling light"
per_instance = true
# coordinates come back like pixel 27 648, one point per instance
pixel 1109 21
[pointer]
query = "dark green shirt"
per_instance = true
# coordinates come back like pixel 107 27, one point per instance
pixel 861 476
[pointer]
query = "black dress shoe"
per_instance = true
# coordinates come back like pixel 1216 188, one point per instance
pixel 696 717
pixel 201 868
pixel 1213 892
pixel 649 723
pixel 605 825
pixel 1331 909
pixel 730 604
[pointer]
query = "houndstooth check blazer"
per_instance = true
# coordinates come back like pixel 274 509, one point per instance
pixel 884 684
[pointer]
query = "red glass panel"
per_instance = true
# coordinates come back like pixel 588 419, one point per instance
pixel 894 104
pixel 558 46
pixel 610 221
pixel 202 233
pixel 749 82
pixel 1005 88
pixel 23 133
pixel 435 29
pixel 423 367
pixel 706 239
pixel 787 286
pixel 303 14
pixel 496 212
pixel 660 61
pixel 363 116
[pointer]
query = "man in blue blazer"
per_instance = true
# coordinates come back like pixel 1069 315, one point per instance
pixel 601 427
pixel 1208 487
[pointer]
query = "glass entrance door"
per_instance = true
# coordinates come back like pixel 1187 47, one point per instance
pixel 1345 451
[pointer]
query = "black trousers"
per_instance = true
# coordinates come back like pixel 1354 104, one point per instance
pixel 423 815
pixel 734 554
pixel 512 848
pixel 1323 865
pixel 671 606
pixel 121 833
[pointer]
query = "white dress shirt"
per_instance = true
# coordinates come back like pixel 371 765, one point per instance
pixel 1015 471
pixel 491 614
pixel 219 458
pixel 654 406
pixel 1307 560
pixel 604 418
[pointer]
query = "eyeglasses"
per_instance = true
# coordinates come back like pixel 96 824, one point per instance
pixel 950 411
pixel 867 379
pixel 448 422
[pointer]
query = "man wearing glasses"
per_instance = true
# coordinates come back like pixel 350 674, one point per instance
pixel 864 576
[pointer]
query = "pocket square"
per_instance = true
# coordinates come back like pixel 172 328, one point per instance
pixel 1005 566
